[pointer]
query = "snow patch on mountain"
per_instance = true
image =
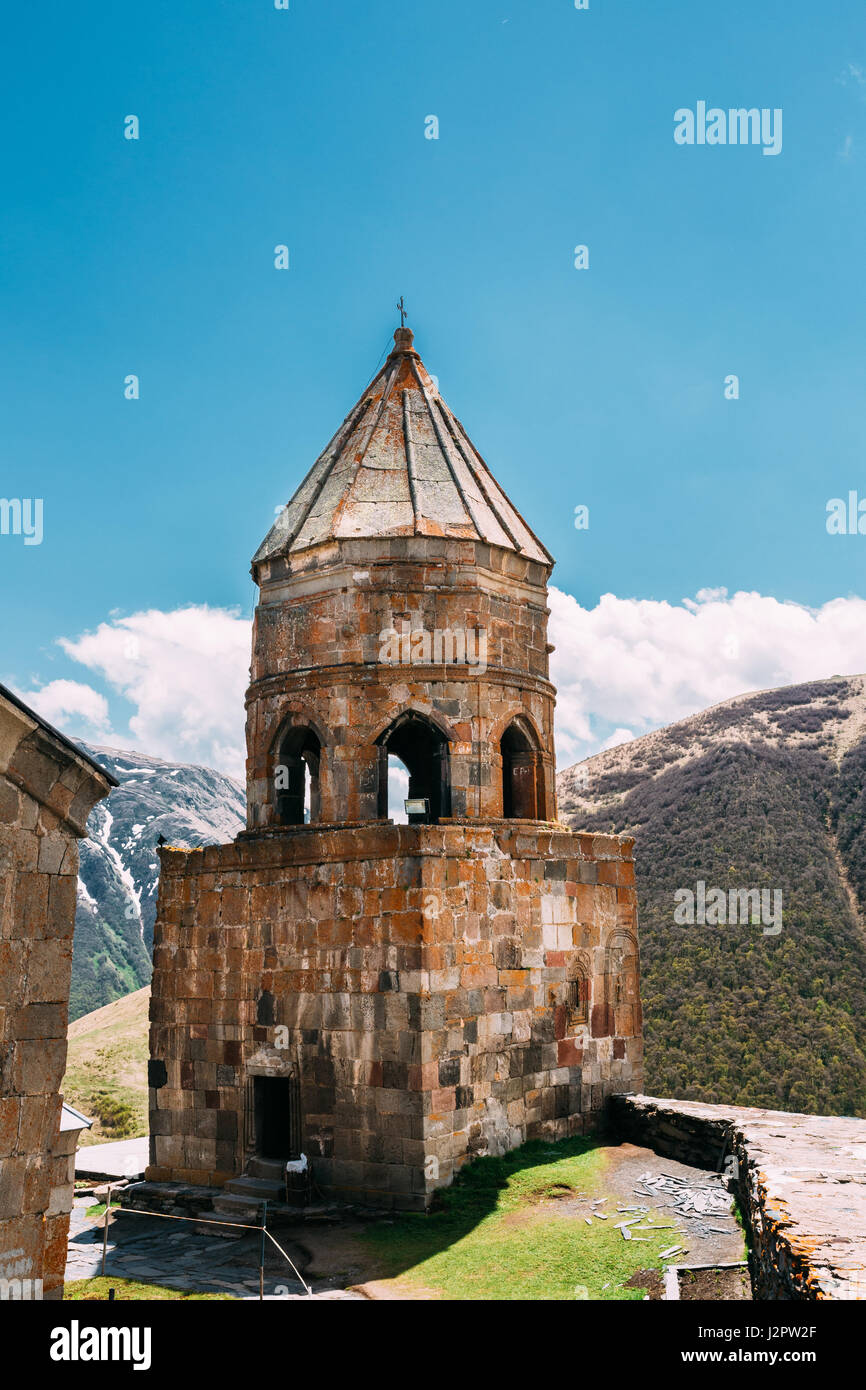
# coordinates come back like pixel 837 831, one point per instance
pixel 188 806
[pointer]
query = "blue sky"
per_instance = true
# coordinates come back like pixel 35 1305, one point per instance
pixel 602 387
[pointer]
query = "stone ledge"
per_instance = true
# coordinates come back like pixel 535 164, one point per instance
pixel 460 837
pixel 800 1181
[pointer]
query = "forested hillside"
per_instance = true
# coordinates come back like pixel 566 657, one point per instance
pixel 766 791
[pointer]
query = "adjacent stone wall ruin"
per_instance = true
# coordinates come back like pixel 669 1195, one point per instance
pixel 800 1181
pixel 47 790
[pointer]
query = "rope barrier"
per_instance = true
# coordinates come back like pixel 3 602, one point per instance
pixel 202 1221
pixel 286 1257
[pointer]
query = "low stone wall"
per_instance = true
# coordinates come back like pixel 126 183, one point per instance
pixel 800 1181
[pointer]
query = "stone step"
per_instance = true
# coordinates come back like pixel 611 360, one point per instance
pixel 265 1189
pixel 270 1168
pixel 228 1202
pixel 230 1213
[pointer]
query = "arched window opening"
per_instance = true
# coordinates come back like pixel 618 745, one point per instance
pixel 422 748
pixel 296 778
pixel 522 775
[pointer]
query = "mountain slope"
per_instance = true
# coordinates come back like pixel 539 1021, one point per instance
pixel 106 1069
pixel 763 791
pixel 119 868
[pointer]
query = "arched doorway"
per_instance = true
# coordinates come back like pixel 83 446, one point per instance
pixel 423 749
pixel 522 774
pixel 296 777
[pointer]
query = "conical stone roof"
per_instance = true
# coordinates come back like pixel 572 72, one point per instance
pixel 400 465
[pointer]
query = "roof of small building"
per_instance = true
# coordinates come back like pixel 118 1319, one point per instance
pixel 401 464
pixel 70 1118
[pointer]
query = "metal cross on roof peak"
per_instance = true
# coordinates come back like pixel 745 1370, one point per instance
pixel 401 306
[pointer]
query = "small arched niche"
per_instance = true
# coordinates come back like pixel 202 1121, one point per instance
pixel 522 773
pixel 296 776
pixel 577 997
pixel 423 750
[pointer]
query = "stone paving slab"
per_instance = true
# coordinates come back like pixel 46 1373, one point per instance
pixel 138 1248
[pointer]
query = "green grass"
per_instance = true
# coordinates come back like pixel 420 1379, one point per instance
pixel 497 1234
pixel 99 1207
pixel 128 1290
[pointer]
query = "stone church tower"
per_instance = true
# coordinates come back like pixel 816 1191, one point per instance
pixel 400 529
pixel 391 999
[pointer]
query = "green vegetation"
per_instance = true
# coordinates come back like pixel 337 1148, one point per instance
pixel 89 1290
pixel 116 1116
pixel 99 1208
pixel 507 1229
pixel 732 1015
pixel 106 1069
pixel 848 817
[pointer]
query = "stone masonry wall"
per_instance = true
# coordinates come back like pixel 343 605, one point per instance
pixel 442 991
pixel 46 794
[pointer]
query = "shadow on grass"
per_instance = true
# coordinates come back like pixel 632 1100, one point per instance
pixel 496 1232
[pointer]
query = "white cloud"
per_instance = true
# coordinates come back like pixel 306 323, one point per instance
pixel 617 737
pixel 621 668
pixel 398 790
pixel 61 701
pixel 636 664
pixel 185 671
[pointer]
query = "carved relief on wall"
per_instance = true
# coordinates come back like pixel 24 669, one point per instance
pixel 621 982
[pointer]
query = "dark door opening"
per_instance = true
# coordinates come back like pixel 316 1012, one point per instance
pixel 277 1116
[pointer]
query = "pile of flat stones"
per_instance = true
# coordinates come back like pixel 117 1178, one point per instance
pixel 698 1202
